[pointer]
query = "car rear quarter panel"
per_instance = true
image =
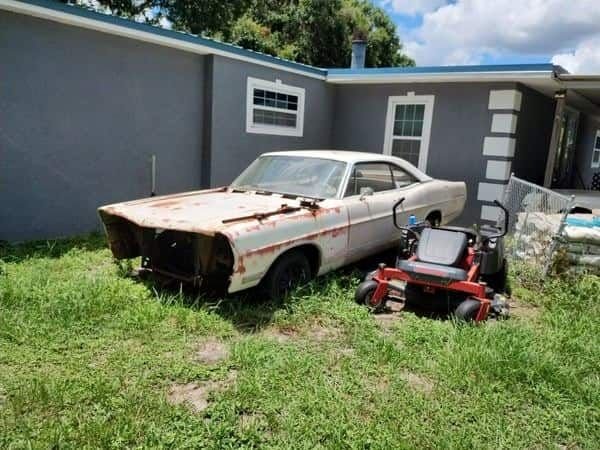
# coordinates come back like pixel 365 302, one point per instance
pixel 256 244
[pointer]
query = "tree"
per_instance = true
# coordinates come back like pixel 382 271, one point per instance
pixel 315 32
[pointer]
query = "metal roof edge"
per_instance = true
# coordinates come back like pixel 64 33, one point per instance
pixel 544 67
pixel 80 16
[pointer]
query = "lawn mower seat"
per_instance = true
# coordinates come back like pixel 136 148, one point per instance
pixel 441 246
pixel 437 252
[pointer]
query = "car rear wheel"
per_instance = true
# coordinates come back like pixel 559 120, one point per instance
pixel 291 270
pixel 434 220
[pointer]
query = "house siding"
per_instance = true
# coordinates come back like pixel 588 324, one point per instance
pixel 583 153
pixel 82 113
pixel 461 122
pixel 232 148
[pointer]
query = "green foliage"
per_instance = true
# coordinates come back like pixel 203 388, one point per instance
pixel 315 32
pixel 87 357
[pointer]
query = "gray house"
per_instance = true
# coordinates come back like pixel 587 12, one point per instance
pixel 96 109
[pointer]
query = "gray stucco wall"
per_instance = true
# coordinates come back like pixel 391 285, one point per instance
pixel 534 130
pixel 460 122
pixel 232 149
pixel 81 112
pixel 583 153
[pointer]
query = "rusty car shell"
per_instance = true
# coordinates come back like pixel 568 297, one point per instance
pixel 230 238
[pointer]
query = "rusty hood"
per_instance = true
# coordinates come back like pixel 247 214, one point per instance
pixel 206 211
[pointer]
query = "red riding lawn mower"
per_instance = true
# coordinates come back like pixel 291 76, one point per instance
pixel 462 270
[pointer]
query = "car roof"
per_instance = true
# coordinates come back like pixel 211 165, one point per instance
pixel 351 157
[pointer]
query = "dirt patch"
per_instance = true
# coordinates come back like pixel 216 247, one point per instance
pixel 281 335
pixel 320 333
pixel 418 382
pixel 523 310
pixel 386 320
pixel 196 395
pixel 211 352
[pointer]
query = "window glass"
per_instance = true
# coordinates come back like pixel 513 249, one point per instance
pixel 295 175
pixel 402 178
pixel 407 149
pixel 274 108
pixel 377 176
pixel 408 120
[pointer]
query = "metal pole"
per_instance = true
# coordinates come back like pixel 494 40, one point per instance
pixel 153 175
pixel 560 97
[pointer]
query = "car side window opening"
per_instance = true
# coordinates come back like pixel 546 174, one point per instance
pixel 377 176
pixel 402 178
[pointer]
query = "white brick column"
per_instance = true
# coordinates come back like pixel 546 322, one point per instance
pixel 499 148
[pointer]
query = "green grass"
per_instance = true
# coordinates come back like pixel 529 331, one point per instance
pixel 88 355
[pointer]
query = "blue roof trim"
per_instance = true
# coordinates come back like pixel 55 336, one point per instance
pixel 186 37
pixel 546 67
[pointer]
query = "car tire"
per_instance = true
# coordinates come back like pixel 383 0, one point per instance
pixel 467 310
pixel 433 220
pixel 289 271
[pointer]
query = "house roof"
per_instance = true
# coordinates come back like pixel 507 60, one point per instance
pixel 86 18
pixel 490 73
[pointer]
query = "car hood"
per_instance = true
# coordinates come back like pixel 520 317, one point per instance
pixel 199 211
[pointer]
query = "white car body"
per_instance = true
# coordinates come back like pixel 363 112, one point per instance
pixel 259 227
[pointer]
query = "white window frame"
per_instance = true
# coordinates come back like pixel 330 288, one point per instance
pixel 279 87
pixel 595 150
pixel 410 99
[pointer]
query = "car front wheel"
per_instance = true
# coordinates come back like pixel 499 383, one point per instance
pixel 289 271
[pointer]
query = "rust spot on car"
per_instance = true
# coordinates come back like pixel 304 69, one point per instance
pixel 241 269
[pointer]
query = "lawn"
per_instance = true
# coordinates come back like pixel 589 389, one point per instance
pixel 90 358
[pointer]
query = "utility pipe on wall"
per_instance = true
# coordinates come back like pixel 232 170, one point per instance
pixel 153 175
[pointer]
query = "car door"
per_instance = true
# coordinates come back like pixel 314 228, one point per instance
pixel 372 191
pixel 369 197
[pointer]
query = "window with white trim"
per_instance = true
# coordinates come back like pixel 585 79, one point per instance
pixel 408 127
pixel 596 151
pixel 274 108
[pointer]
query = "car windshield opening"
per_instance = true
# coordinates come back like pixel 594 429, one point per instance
pixel 295 175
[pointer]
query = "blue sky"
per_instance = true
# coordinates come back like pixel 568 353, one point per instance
pixel 441 32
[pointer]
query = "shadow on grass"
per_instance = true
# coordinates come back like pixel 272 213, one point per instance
pixel 51 248
pixel 249 311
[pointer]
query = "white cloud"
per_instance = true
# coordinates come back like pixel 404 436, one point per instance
pixel 585 59
pixel 466 31
pixel 412 7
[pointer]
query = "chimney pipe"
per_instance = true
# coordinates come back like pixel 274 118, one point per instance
pixel 359 52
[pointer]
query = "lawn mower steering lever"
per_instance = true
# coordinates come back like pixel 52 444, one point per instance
pixel 400 227
pixel 505 225
pixel 398 203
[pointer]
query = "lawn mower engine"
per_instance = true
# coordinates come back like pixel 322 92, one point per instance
pixel 459 270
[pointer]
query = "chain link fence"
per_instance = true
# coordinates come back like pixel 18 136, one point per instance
pixel 537 218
